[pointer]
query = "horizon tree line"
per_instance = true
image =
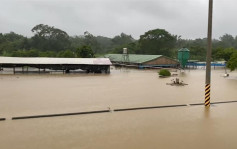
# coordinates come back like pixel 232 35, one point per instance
pixel 49 41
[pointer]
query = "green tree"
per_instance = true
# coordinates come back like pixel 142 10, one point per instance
pixel 227 41
pixel 47 54
pixel 105 43
pixel 13 37
pixel 232 63
pixel 225 54
pixel 122 39
pixel 157 41
pixel 197 53
pixel 77 41
pixel 32 53
pixel 85 52
pixel 216 52
pixel 91 41
pixel 25 53
pixel 18 53
pixel 10 42
pixel 48 38
pixel 132 48
pixel 66 54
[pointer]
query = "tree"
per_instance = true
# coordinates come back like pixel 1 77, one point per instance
pixel 47 54
pixel 225 54
pixel 105 43
pixel 25 53
pixel 10 42
pixel 232 63
pixel 32 53
pixel 197 53
pixel 132 48
pixel 157 41
pixel 66 54
pixel 91 41
pixel 12 37
pixel 77 41
pixel 216 53
pixel 49 38
pixel 85 52
pixel 122 39
pixel 227 41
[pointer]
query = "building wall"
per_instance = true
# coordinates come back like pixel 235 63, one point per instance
pixel 161 61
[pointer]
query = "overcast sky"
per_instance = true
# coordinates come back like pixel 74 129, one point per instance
pixel 187 18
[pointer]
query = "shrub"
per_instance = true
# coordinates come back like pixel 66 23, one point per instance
pixel 164 72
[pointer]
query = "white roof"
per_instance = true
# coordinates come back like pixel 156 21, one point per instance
pixel 43 60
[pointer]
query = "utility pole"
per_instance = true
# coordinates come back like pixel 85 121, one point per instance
pixel 208 60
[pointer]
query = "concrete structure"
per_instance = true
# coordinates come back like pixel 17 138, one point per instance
pixel 143 61
pixel 64 64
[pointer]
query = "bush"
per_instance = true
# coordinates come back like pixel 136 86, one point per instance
pixel 164 72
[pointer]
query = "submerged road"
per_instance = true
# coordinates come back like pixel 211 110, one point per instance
pixel 192 127
pixel 113 110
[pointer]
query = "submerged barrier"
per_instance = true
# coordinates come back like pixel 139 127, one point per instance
pixel 213 103
pixel 154 107
pixel 55 115
pixel 196 104
pixel 115 110
pixel 2 119
pixel 224 102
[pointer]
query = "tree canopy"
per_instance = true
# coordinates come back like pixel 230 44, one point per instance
pixel 85 52
pixel 47 38
pixel 232 63
pixel 157 41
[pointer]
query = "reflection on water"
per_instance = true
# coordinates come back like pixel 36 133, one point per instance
pixel 207 112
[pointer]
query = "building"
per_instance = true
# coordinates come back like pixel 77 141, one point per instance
pixel 143 61
pixel 64 64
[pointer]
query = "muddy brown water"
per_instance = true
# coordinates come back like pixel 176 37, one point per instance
pixel 183 127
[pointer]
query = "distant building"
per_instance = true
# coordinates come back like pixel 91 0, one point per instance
pixel 143 60
pixel 64 64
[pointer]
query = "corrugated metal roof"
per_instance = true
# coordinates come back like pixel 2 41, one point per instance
pixel 43 60
pixel 133 58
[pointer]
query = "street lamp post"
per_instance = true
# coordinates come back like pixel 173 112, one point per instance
pixel 208 60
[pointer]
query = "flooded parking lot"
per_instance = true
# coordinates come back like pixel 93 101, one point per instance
pixel 182 127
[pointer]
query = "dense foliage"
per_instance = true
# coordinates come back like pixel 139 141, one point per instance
pixel 157 42
pixel 232 63
pixel 49 41
pixel 164 72
pixel 47 38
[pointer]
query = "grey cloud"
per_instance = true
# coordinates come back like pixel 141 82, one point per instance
pixel 187 18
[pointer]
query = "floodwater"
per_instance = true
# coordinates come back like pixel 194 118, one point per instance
pixel 180 127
